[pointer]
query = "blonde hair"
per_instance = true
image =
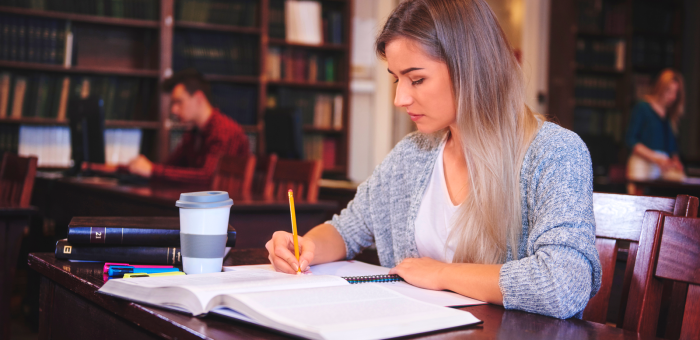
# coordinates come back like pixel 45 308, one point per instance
pixel 666 77
pixel 495 126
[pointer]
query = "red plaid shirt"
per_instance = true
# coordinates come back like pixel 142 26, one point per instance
pixel 194 160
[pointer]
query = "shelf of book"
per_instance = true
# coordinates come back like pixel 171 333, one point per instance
pixel 79 69
pixel 94 19
pixel 233 79
pixel 217 27
pixel 116 124
pixel 308 85
pixel 325 46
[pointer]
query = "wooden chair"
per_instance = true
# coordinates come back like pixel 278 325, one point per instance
pixel 300 176
pixel 235 175
pixel 620 219
pixel 16 182
pixel 671 251
pixel 262 178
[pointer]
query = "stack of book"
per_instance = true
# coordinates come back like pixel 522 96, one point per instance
pixel 596 91
pixel 235 13
pixel 300 65
pixel 215 53
pixel 135 9
pixel 318 147
pixel 152 240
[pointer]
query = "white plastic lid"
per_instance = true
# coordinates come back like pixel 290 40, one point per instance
pixel 204 199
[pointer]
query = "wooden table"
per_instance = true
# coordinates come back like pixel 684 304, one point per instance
pixel 71 308
pixel 62 198
pixel 668 188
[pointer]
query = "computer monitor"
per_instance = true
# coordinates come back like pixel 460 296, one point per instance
pixel 86 119
pixel 283 132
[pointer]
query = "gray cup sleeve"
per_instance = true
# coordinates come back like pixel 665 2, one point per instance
pixel 203 246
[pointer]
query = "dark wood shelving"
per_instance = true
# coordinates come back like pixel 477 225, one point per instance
pixel 603 70
pixel 313 129
pixel 328 47
pixel 134 124
pixel 94 19
pixel 233 79
pixel 78 69
pixel 217 27
pixel 600 34
pixel 307 85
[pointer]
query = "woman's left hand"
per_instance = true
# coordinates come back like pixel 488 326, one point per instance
pixel 423 272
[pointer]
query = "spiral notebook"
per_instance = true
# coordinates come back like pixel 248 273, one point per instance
pixel 353 269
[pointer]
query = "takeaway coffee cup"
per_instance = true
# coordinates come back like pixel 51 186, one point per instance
pixel 203 225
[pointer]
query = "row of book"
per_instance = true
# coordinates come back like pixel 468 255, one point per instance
pixel 318 109
pixel 46 95
pixel 601 16
pixel 152 240
pixel 216 53
pixel 52 146
pixel 591 121
pixel 235 13
pixel 31 39
pixel 653 52
pixel 237 102
pixel 306 22
pixel 134 9
pixel 300 65
pixel 9 138
pixel 655 16
pixel 318 147
pixel 595 53
pixel 595 91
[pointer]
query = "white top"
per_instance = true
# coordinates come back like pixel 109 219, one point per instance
pixel 434 219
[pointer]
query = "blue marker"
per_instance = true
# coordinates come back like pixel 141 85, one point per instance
pixel 119 271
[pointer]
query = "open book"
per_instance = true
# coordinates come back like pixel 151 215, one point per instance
pixel 311 306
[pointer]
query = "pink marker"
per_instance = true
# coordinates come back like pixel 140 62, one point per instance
pixel 108 264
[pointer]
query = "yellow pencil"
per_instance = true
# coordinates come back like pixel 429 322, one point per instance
pixel 294 229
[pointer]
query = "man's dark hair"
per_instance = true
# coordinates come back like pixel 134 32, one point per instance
pixel 191 79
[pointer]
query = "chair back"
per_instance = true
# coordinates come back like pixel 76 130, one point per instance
pixel 671 252
pixel 300 176
pixel 16 180
pixel 235 175
pixel 619 221
pixel 262 178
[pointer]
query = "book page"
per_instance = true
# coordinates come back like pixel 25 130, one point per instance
pixel 207 286
pixel 357 268
pixel 350 312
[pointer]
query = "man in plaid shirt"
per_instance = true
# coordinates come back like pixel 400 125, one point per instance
pixel 213 134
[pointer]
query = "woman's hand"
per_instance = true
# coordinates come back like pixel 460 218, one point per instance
pixel 281 249
pixel 423 272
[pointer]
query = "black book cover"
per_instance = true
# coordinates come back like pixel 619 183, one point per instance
pixel 150 255
pixel 130 231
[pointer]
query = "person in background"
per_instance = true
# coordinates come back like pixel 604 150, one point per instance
pixel 213 134
pixel 487 199
pixel 651 132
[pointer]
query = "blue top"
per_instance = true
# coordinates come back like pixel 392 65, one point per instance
pixel 648 128
pixel 558 269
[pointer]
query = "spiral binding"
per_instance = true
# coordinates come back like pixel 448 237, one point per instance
pixel 373 278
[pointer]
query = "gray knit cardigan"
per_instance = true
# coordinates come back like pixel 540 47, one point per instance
pixel 558 269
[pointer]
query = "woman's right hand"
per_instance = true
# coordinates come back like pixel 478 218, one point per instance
pixel 281 252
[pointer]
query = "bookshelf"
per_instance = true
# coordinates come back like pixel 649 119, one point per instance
pixel 604 55
pixel 147 42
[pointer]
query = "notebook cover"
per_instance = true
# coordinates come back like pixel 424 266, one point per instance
pixel 130 231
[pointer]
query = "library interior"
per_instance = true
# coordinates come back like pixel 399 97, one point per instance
pixel 130 128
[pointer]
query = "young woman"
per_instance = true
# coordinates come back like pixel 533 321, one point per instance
pixel 650 134
pixel 486 199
